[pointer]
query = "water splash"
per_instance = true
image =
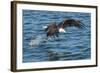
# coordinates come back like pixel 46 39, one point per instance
pixel 36 41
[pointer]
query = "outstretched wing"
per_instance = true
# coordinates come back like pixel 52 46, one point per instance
pixel 70 23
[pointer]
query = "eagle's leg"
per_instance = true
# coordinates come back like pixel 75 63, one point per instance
pixel 56 35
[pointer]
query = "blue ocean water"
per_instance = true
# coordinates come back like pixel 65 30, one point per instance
pixel 72 45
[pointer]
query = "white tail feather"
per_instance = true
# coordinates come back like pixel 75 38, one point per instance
pixel 62 30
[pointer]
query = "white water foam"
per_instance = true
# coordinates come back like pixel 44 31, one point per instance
pixel 36 41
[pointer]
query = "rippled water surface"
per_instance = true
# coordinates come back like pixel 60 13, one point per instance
pixel 72 45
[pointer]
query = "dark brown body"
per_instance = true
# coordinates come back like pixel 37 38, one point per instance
pixel 52 30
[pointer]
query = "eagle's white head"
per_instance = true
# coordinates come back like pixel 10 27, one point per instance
pixel 44 27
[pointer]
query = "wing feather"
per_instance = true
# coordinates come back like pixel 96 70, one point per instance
pixel 71 23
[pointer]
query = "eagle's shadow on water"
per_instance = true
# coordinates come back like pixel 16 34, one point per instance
pixel 62 56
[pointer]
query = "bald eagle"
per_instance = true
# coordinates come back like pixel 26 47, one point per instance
pixel 53 29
